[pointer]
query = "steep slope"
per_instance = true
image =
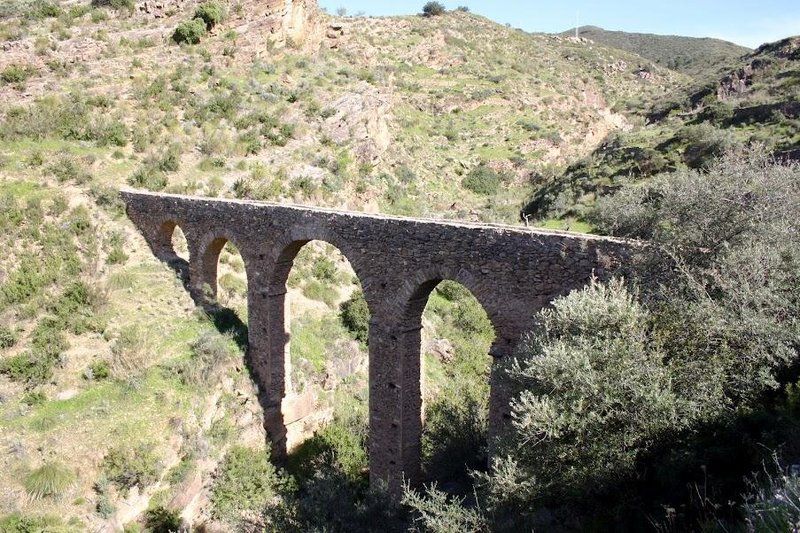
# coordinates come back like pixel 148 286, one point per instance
pixel 106 367
pixel 756 101
pixel 697 57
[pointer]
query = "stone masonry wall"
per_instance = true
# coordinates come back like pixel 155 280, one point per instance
pixel 512 271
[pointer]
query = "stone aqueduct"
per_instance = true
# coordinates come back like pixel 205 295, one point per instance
pixel 512 271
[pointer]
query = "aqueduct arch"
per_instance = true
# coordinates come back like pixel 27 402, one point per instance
pixel 512 271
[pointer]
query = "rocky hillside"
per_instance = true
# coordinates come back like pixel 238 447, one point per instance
pixel 696 57
pixel 757 100
pixel 119 400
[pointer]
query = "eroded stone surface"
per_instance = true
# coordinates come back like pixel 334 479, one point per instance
pixel 512 271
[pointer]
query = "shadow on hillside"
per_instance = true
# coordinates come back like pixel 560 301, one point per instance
pixel 223 318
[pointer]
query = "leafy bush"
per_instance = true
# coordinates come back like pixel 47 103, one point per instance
pixel 190 31
pixel 75 307
pixel 128 466
pixel 211 13
pixel 35 366
pixel 433 9
pixel 483 180
pixel 355 316
pixel 52 480
pixel 149 178
pixel 18 523
pixel 116 252
pixel 98 370
pixel 725 264
pixel 324 269
pixel 28 368
pixel 16 73
pixel 8 337
pixel 436 512
pixel 33 398
pixel 162 520
pixel 41 9
pixel 593 395
pixel 244 482
pixel 128 5
pixel 321 292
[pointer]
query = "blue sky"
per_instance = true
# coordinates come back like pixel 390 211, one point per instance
pixel 748 23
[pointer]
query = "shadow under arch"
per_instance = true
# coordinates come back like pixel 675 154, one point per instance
pixel 226 320
pixel 164 249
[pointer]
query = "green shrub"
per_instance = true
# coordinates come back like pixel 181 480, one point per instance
pixel 437 512
pixel 27 368
pixel 40 9
pixel 162 520
pixel 355 316
pixel 593 395
pixel 16 73
pixel 18 523
pixel 35 366
pixel 211 13
pixel 33 398
pixel 8 337
pixel 116 252
pixel 148 178
pixel 244 482
pixel 210 352
pixel 453 291
pixel 324 269
pixel 128 466
pixel 433 9
pixel 128 5
pixel 190 31
pixel 75 307
pixel 233 285
pixel 110 133
pixel 341 445
pixel 321 292
pixel 725 261
pixel 68 168
pixel 51 480
pixel 98 370
pixel 483 180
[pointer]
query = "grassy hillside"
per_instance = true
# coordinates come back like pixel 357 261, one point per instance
pixel 696 57
pixel 124 404
pixel 756 101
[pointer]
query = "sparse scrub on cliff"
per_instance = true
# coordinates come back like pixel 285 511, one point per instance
pixel 51 480
pixel 8 337
pixel 243 483
pixel 129 465
pixel 483 180
pixel 21 523
pixel 127 5
pixel 211 13
pixel 130 352
pixel 355 315
pixel 16 74
pixel 433 9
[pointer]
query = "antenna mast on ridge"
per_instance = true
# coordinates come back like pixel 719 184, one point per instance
pixel 577 22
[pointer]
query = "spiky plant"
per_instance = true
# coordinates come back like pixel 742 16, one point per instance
pixel 52 479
